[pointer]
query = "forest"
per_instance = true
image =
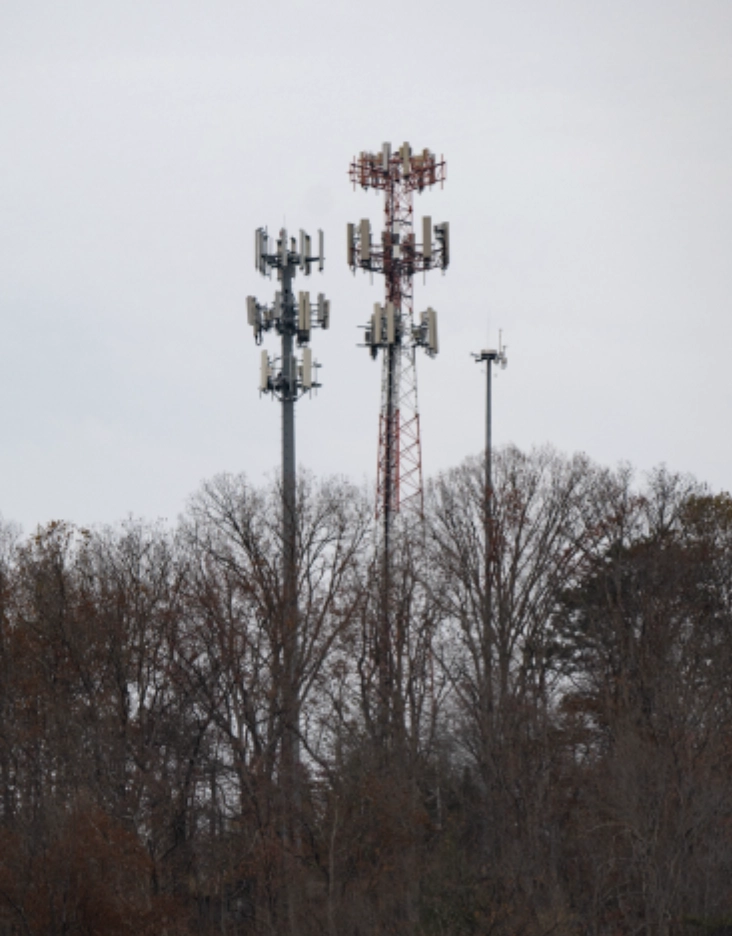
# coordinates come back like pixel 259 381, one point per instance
pixel 533 741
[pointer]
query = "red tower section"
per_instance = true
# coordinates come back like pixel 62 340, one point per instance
pixel 394 328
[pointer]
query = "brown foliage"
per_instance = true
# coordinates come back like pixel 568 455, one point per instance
pixel 531 745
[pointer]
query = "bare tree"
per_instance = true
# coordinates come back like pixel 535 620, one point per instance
pixel 645 637
pixel 239 659
pixel 497 649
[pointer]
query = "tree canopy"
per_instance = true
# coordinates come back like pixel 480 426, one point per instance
pixel 548 753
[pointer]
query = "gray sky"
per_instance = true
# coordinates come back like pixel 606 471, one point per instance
pixel 589 192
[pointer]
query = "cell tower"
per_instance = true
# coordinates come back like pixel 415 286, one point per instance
pixel 393 327
pixel 490 356
pixel 287 379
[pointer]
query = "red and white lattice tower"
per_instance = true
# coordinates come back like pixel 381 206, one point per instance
pixel 393 328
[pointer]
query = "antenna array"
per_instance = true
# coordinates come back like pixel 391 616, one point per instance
pixel 393 328
pixel 288 378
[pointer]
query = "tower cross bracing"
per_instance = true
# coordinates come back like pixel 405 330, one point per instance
pixel 394 328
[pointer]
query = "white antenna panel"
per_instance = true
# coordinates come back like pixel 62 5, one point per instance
pixel 264 372
pixel 308 251
pixel 365 239
pixel 376 325
pixel 432 331
pixel 258 250
pixel 251 310
pixel 307 369
pixel 323 311
pixel 283 247
pixel 303 312
pixel 302 249
pixel 385 156
pixel 321 250
pixel 406 153
pixel 427 237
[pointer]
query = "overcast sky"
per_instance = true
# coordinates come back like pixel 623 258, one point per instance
pixel 589 192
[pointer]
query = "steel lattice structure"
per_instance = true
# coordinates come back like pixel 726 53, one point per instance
pixel 393 328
